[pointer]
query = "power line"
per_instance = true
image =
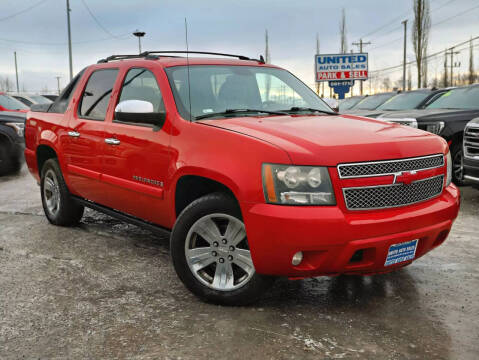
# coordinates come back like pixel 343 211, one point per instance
pixel 98 22
pixel 118 37
pixel 427 57
pixel 23 11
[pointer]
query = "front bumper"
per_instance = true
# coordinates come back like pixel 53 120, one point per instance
pixel 471 170
pixel 329 236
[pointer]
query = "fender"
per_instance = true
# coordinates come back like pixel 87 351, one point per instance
pixel 203 172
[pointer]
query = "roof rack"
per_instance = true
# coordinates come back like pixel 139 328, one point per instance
pixel 150 55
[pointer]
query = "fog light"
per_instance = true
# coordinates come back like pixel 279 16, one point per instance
pixel 297 258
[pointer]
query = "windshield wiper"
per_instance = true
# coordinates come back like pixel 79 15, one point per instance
pixel 298 109
pixel 239 111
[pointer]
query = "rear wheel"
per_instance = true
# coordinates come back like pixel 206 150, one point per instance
pixel 58 205
pixel 8 163
pixel 211 254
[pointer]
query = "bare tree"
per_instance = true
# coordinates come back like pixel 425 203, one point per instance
pixel 317 53
pixel 444 79
pixel 424 72
pixel 420 35
pixel 342 32
pixel 386 83
pixel 472 76
pixel 409 78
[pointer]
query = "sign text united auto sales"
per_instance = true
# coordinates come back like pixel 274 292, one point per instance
pixel 341 67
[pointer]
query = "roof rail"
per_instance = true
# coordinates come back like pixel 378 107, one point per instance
pixel 149 55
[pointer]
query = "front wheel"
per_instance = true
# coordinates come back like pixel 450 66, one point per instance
pixel 211 253
pixel 457 164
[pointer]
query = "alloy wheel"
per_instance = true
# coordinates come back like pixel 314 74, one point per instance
pixel 51 192
pixel 217 252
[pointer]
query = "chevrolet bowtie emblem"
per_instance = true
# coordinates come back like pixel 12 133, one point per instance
pixel 405 177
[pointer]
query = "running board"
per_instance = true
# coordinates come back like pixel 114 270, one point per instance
pixel 124 217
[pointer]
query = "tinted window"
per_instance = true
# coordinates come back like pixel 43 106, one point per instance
pixel 23 100
pixel 140 84
pixel 61 102
pixel 462 98
pixel 41 99
pixel 349 103
pixel 215 88
pixel 405 101
pixel 97 93
pixel 10 103
pixel 372 102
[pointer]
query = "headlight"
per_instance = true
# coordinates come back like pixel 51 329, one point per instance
pixel 449 168
pixel 297 185
pixel 18 127
pixel 435 128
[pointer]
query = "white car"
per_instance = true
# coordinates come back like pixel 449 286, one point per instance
pixel 30 99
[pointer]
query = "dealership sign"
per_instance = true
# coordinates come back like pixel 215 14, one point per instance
pixel 341 67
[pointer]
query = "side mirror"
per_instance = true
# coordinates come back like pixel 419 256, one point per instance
pixel 139 112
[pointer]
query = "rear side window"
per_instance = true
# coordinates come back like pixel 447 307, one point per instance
pixel 97 94
pixel 61 102
pixel 140 84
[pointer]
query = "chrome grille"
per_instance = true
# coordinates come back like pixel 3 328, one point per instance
pixel 387 196
pixel 471 141
pixel 389 167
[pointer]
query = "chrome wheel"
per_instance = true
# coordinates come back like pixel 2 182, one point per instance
pixel 458 165
pixel 217 252
pixel 51 192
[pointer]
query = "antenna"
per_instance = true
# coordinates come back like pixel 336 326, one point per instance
pixel 188 66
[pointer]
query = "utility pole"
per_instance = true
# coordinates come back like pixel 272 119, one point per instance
pixel 69 40
pixel 317 53
pixel 58 83
pixel 360 44
pixel 16 70
pixel 139 35
pixel 404 57
pixel 451 52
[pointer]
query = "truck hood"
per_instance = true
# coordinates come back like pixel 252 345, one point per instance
pixel 432 114
pixel 329 140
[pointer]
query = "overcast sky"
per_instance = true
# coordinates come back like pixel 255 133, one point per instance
pixel 39 35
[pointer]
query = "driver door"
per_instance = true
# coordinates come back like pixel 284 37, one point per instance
pixel 136 155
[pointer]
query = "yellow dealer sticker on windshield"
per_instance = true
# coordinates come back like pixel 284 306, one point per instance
pixel 447 94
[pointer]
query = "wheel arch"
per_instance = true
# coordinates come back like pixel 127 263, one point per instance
pixel 191 186
pixel 44 152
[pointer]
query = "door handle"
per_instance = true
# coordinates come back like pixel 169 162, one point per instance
pixel 73 134
pixel 112 141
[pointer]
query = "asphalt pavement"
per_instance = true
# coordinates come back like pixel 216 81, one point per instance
pixel 107 290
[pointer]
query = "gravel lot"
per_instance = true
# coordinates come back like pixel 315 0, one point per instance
pixel 108 290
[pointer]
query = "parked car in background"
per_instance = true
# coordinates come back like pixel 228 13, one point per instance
pixel 366 106
pixel 11 141
pixel 8 103
pixel 332 103
pixel 471 152
pixel 253 184
pixel 447 116
pixel 30 99
pixel 409 100
pixel 51 97
pixel 349 103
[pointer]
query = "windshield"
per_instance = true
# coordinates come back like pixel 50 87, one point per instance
pixel 372 102
pixel 41 99
pixel 10 103
pixel 462 98
pixel 215 89
pixel 405 101
pixel 349 103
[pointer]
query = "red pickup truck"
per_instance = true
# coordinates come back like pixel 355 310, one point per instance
pixel 254 175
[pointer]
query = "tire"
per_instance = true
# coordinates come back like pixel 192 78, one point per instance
pixel 203 262
pixel 7 163
pixel 457 164
pixel 59 207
